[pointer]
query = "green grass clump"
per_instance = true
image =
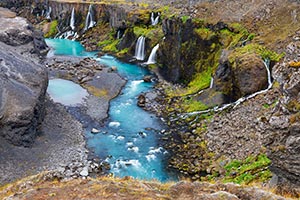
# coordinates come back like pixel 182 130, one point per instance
pixel 53 30
pixel 111 47
pixel 123 52
pixel 192 105
pixel 200 81
pixel 184 18
pixel 253 168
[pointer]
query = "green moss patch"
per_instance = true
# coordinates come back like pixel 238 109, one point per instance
pixel 257 49
pixel 52 29
pixel 252 169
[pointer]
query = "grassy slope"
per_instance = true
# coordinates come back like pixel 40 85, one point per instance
pixel 44 186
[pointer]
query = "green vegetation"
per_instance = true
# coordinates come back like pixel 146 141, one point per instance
pixel 258 49
pixel 155 34
pixel 192 105
pixel 109 45
pixel 184 18
pixel 52 29
pixel 200 81
pixel 205 33
pixel 272 105
pixel 252 169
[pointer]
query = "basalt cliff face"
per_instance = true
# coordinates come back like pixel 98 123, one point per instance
pixel 23 82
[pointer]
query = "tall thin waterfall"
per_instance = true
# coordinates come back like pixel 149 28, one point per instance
pixel 48 14
pixel 119 34
pixel 211 82
pixel 152 57
pixel 72 21
pixel 89 21
pixel 140 48
pixel 154 20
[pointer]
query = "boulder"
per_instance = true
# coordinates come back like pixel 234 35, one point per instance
pixel 147 78
pixel 141 100
pixel 244 75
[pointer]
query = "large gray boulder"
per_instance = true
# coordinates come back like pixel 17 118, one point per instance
pixel 23 83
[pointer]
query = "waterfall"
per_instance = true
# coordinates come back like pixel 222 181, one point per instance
pixel 48 14
pixel 211 82
pixel 140 48
pixel 154 20
pixel 72 21
pixel 89 21
pixel 152 57
pixel 119 34
pixel 237 102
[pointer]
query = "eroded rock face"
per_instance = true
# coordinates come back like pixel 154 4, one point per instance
pixel 22 84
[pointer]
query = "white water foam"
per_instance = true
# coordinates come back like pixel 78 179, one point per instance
pixel 155 150
pixel 150 157
pixel 133 148
pixel 120 137
pixel 114 124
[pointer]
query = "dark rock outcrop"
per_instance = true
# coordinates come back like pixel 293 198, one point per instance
pixel 128 39
pixel 23 83
pixel 183 53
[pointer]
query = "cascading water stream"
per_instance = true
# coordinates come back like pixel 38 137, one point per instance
pixel 48 14
pixel 237 102
pixel 119 34
pixel 89 21
pixel 211 82
pixel 154 20
pixel 152 57
pixel 140 48
pixel 72 21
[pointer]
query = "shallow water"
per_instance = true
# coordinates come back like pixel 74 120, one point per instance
pixel 129 140
pixel 66 92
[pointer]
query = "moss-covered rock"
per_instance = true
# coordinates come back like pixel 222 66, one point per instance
pixel 243 75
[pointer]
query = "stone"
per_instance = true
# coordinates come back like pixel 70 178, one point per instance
pixel 95 131
pixel 141 100
pixel 84 172
pixel 147 78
